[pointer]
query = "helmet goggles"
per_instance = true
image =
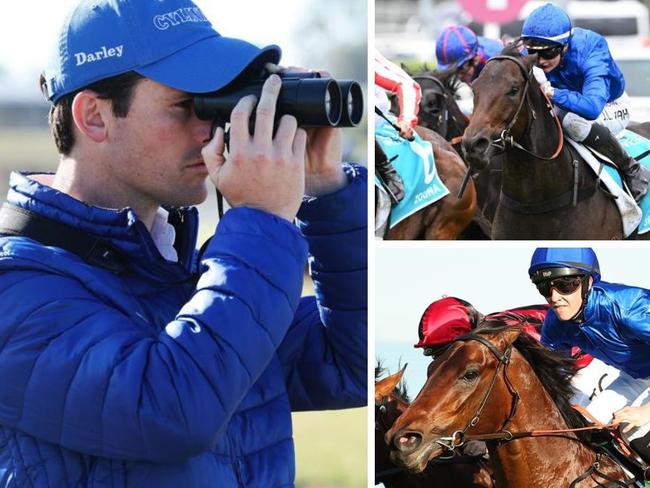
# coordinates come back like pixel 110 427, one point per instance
pixel 544 50
pixel 565 280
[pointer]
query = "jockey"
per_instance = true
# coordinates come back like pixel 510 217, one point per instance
pixel 580 77
pixel 392 78
pixel 459 48
pixel 609 321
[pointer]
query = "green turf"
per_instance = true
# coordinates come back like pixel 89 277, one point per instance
pixel 331 448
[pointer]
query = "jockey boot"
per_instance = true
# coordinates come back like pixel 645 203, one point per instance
pixel 391 178
pixel 636 175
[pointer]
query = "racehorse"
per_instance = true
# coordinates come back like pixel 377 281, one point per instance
pixel 440 113
pixel 503 387
pixel 390 403
pixel 547 191
pixel 447 217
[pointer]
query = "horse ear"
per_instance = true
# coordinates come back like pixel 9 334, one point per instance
pixel 508 336
pixel 530 61
pixel 405 68
pixel 384 387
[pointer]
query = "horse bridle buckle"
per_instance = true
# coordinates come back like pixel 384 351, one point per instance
pixel 460 435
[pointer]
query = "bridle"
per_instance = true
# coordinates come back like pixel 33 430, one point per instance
pixel 459 437
pixel 383 427
pixel 441 119
pixel 506 139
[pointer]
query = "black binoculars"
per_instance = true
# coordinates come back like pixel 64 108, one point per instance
pixel 312 100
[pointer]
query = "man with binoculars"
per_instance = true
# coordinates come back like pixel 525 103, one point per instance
pixel 126 359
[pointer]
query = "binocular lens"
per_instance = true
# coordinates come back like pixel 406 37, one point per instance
pixel 353 110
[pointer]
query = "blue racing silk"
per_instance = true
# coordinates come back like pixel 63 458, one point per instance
pixel 587 77
pixel 177 374
pixel 616 328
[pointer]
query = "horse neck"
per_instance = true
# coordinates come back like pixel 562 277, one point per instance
pixel 527 178
pixel 537 462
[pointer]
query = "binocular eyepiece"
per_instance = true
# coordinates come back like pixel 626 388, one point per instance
pixel 312 100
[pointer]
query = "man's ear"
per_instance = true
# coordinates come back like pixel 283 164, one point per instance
pixel 89 113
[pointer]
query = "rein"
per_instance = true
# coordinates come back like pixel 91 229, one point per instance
pixel 459 437
pixel 505 138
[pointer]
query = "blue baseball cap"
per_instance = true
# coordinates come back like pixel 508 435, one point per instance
pixel 168 41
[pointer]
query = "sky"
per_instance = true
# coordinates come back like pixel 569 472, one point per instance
pixel 491 277
pixel 29 27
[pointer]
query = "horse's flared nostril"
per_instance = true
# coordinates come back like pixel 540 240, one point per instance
pixel 481 145
pixel 407 441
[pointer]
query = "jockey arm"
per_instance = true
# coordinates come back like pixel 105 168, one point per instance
pixel 590 101
pixel 392 78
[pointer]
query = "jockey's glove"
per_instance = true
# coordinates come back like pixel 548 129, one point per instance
pixel 544 84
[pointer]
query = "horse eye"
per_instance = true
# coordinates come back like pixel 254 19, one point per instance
pixel 514 90
pixel 471 375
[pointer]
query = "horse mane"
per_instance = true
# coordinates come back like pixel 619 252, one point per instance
pixel 554 370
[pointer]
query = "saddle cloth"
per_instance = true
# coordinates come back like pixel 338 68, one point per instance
pixel 416 167
pixel 634 216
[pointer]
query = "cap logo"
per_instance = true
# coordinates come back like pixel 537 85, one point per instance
pixel 104 53
pixel 179 16
pixel 546 273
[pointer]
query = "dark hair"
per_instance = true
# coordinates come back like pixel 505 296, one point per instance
pixel 117 89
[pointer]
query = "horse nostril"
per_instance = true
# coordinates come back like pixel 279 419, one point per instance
pixel 407 441
pixel 481 145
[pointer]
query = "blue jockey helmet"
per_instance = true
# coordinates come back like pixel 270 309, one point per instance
pixel 553 262
pixel 456 45
pixel 548 24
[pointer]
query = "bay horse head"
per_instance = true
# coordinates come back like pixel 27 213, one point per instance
pixel 498 385
pixel 506 95
pixel 461 383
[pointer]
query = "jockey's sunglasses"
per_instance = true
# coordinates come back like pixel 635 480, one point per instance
pixel 565 285
pixel 546 52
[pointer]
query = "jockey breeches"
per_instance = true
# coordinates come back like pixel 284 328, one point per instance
pixel 615 116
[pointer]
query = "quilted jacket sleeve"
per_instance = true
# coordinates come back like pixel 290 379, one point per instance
pixel 83 373
pixel 325 352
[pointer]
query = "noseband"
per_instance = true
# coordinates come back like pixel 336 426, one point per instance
pixel 505 138
pixel 457 439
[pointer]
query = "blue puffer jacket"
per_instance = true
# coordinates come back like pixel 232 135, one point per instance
pixel 148 379
pixel 616 329
pixel 587 77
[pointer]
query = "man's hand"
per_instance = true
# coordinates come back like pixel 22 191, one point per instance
pixel 261 171
pixel 539 75
pixel 544 84
pixel 323 171
pixel 405 129
pixel 633 417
